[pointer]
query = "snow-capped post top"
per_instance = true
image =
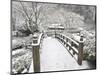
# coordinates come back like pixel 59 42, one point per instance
pixel 81 38
pixel 35 38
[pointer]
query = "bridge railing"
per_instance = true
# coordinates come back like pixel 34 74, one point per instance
pixel 74 48
pixel 35 52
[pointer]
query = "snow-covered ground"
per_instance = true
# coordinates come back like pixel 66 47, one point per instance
pixel 55 57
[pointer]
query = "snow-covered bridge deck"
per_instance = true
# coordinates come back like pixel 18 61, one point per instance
pixel 55 57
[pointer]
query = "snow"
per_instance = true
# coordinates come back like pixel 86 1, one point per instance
pixel 55 57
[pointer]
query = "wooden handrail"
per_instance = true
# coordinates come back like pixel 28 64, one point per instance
pixel 70 44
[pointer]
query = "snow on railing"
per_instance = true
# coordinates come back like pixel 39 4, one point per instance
pixel 75 48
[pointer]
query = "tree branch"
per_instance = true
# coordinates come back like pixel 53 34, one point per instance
pixel 24 10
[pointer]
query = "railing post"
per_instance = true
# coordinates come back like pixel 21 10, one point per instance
pixel 36 58
pixel 36 55
pixel 80 51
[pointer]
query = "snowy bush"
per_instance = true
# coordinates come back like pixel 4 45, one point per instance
pixel 89 49
pixel 21 63
pixel 89 46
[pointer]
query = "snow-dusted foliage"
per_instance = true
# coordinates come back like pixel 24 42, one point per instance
pixel 89 46
pixel 21 60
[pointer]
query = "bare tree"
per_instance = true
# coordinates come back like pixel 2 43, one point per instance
pixel 32 15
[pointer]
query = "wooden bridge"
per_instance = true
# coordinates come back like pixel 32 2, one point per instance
pixel 56 54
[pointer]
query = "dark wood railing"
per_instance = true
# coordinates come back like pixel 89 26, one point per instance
pixel 74 48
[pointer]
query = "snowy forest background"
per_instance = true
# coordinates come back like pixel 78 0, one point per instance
pixel 31 17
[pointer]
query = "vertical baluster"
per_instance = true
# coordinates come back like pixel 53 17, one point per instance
pixel 73 52
pixel 70 45
pixel 80 54
pixel 66 42
pixel 63 40
pixel 55 35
